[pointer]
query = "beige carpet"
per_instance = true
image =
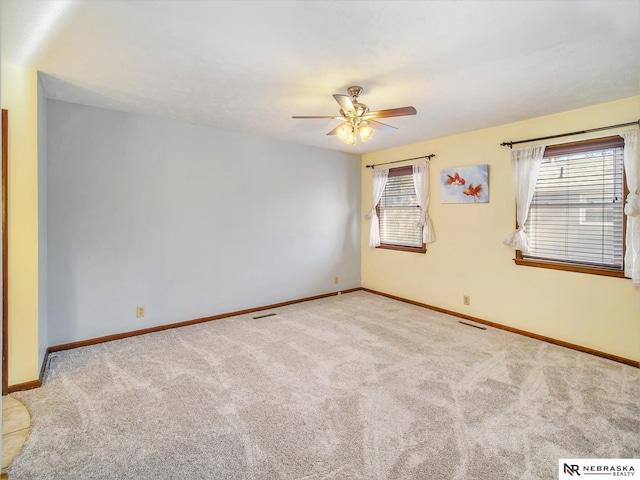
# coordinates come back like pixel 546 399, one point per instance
pixel 356 386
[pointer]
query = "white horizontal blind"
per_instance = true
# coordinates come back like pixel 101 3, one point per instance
pixel 576 214
pixel 399 211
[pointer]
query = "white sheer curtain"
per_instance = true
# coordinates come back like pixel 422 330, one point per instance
pixel 379 181
pixel 421 184
pixel 632 208
pixel 525 165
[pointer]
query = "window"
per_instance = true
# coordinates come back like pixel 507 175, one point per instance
pixel 576 219
pixel 398 213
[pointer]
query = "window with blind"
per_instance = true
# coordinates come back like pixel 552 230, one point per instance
pixel 576 217
pixel 398 212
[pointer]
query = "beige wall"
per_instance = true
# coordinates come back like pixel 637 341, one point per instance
pixel 468 257
pixel 19 97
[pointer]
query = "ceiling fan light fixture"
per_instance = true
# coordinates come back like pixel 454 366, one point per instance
pixel 345 131
pixel 351 140
pixel 365 131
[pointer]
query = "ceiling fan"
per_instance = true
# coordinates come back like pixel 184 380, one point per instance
pixel 356 117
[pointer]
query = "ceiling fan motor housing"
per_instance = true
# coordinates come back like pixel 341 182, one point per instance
pixel 359 108
pixel 354 91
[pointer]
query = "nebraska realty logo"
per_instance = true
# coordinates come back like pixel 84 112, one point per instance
pixel 594 467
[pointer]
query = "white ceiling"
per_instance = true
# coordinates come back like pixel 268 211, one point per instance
pixel 250 65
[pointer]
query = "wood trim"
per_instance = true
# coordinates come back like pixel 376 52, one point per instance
pixel 567 267
pixel 400 171
pixel 5 253
pixel 544 338
pixel 43 367
pixel 402 248
pixel 159 328
pixel 108 338
pixel 568 148
pixel 19 387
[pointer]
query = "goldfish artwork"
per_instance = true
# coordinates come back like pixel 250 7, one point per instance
pixel 465 184
pixel 455 180
pixel 473 191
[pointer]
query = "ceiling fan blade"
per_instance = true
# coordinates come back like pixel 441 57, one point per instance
pixel 345 102
pixel 383 127
pixel 322 116
pixel 392 112
pixel 334 131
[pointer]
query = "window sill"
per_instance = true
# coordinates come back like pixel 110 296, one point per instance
pixel 401 248
pixel 608 272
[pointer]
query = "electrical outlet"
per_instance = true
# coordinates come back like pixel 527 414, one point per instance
pixel 336 280
pixel 466 300
pixel 139 312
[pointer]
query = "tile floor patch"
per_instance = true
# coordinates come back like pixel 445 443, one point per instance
pixel 15 429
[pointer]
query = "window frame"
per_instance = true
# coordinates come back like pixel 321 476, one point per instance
pixel 577 147
pixel 398 172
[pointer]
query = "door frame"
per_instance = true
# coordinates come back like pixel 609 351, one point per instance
pixel 5 254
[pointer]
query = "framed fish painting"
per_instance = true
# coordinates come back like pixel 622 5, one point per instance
pixel 465 184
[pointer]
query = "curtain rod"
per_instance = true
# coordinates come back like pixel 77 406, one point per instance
pixel 511 144
pixel 428 157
